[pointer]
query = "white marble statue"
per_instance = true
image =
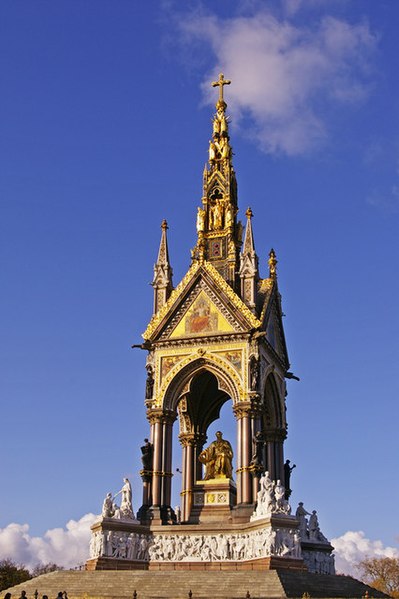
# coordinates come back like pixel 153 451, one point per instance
pixel 309 530
pixel 107 509
pixel 313 526
pixel 301 514
pixel 270 499
pixel 282 504
pixel 178 514
pixel 126 509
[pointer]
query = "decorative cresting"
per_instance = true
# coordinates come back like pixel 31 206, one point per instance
pixel 219 233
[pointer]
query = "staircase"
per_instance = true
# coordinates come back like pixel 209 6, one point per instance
pixel 153 585
pixel 269 584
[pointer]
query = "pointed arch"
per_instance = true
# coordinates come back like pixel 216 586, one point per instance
pixel 179 384
pixel 274 415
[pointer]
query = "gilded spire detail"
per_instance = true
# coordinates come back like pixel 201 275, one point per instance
pixel 219 233
pixel 249 245
pixel 162 282
pixel 163 254
pixel 249 273
pixel 219 148
pixel 272 262
pixel 221 82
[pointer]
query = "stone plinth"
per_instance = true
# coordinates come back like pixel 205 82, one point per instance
pixel 213 500
pixel 118 544
pixel 265 544
pixel 318 556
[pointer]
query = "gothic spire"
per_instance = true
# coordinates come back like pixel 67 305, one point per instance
pixel 272 262
pixel 249 273
pixel 249 246
pixel 219 233
pixel 162 282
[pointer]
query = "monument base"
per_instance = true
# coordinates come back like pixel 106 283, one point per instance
pixel 266 543
pixel 110 563
pixel 266 563
pixel 213 500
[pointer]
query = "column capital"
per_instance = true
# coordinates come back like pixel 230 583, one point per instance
pixel 248 408
pixel 191 439
pixel 158 415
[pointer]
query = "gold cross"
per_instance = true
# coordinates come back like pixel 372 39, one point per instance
pixel 222 81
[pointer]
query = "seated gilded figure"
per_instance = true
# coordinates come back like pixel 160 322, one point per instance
pixel 218 459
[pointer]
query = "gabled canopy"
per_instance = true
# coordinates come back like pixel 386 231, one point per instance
pixel 202 304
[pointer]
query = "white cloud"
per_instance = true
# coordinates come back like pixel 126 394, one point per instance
pixel 352 547
pixel 67 547
pixel 288 79
pixel 386 201
pixel 291 7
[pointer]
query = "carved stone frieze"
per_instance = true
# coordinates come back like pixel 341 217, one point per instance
pixel 319 562
pixel 206 340
pixel 179 547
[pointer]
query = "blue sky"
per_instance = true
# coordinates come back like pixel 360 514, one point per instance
pixel 105 121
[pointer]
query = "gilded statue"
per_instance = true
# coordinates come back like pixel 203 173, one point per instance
pixel 218 458
pixel 229 216
pixel 212 151
pixel 200 220
pixel 216 214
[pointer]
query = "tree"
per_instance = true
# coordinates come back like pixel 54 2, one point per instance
pixel 12 574
pixel 45 569
pixel 382 573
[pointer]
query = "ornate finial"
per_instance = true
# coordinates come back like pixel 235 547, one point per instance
pixel 164 225
pixel 219 148
pixel 220 83
pixel 249 213
pixel 272 264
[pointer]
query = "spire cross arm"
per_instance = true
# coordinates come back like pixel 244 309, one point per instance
pixel 220 83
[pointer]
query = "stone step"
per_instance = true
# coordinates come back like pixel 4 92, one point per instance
pixel 267 584
pixel 153 585
pixel 296 584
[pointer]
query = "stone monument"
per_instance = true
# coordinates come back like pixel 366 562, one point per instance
pixel 215 338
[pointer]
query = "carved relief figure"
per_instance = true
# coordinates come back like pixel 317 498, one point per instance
pixel 217 458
